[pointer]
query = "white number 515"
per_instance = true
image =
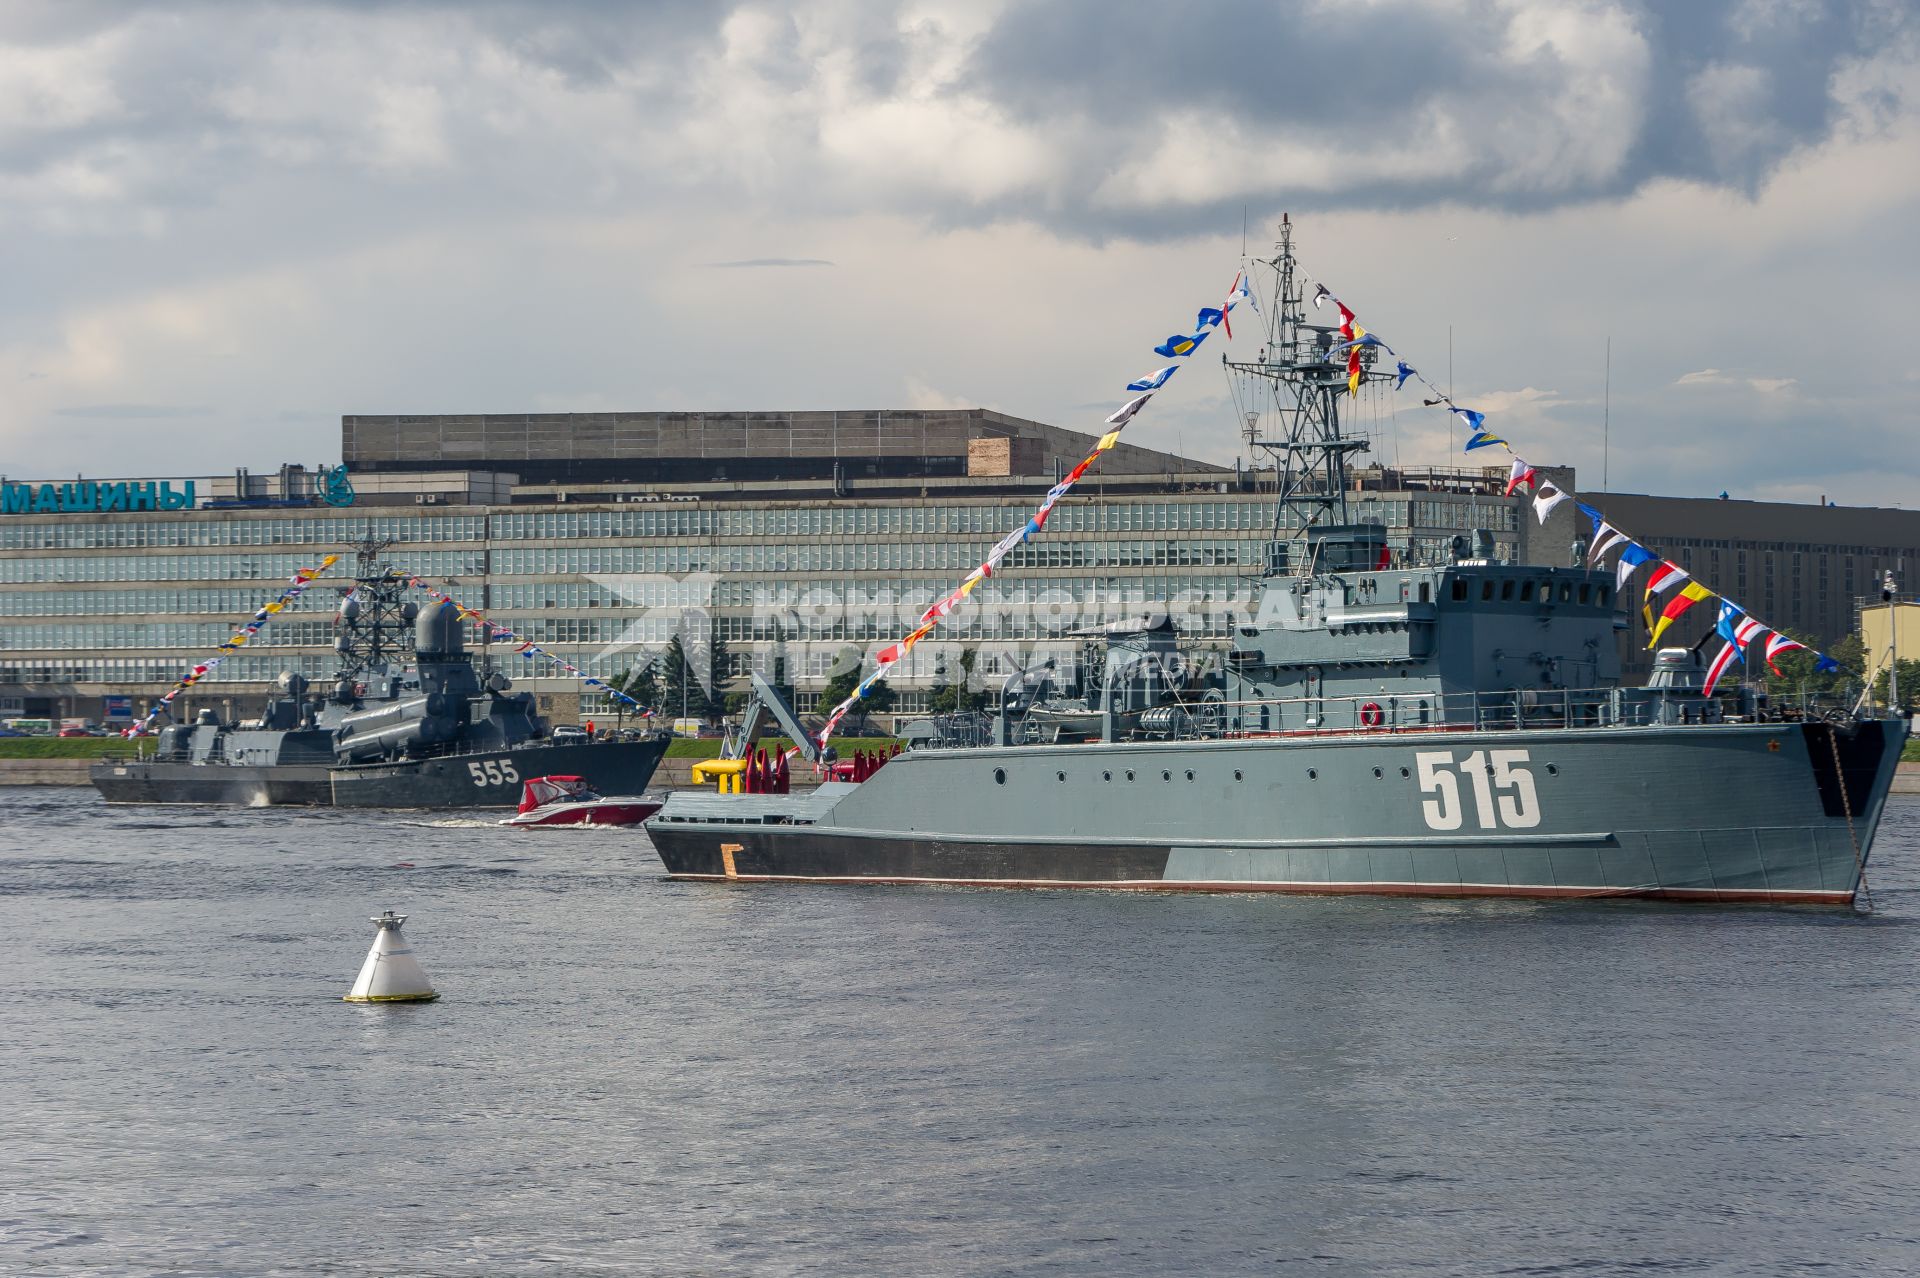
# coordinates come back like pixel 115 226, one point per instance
pixel 1487 771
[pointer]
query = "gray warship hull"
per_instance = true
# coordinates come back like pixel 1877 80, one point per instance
pixel 1777 813
pixel 481 779
pixel 1399 720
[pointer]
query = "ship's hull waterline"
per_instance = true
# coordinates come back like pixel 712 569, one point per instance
pixel 1771 813
pixel 484 779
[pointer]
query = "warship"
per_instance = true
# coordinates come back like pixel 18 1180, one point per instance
pixel 1452 728
pixel 408 722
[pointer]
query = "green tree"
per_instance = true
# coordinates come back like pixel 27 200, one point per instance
pixel 879 698
pixel 724 703
pixel 844 678
pixel 1909 684
pixel 972 690
pixel 681 693
pixel 963 694
pixel 840 685
pixel 642 683
pixel 944 696
pixel 1797 673
pixel 781 676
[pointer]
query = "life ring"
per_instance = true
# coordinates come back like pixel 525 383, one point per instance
pixel 1370 715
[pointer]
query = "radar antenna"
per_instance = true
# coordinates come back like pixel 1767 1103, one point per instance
pixel 376 627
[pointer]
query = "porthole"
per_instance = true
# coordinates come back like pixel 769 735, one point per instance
pixel 1106 776
pixel 1166 776
pixel 1404 774
pixel 1129 774
pixel 1376 774
pixel 1189 774
pixel 1313 774
pixel 1237 776
pixel 1061 775
pixel 1553 769
pixel 999 776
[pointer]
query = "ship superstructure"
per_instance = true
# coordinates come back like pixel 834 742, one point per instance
pixel 408 721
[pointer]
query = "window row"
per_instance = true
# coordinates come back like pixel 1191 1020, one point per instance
pixel 643 591
pixel 159 673
pixel 226 528
pixel 1497 514
pixel 114 603
pixel 251 567
pixel 194 638
pixel 948 556
pixel 1110 515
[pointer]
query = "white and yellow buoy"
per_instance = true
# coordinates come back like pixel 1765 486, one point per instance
pixel 391 974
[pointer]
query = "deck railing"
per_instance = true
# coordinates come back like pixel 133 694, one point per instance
pixel 1514 709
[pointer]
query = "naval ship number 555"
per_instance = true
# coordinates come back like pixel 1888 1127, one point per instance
pixel 1498 780
pixel 494 772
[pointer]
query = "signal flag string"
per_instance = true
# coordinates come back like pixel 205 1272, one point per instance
pixel 296 587
pixel 1177 347
pixel 1734 624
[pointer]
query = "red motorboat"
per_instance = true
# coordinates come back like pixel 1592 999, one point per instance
pixel 571 801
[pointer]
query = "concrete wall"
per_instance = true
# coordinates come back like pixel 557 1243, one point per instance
pixel 396 442
pixel 44 771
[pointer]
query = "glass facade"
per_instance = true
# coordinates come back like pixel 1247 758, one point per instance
pixel 112 604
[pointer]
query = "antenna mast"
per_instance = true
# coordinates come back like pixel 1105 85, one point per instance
pixel 376 626
pixel 1304 384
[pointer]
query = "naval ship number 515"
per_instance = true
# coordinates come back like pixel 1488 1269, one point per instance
pixel 1497 779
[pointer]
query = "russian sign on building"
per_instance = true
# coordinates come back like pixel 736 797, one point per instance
pixel 88 497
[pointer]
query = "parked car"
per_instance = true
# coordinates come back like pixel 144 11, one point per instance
pixel 568 734
pixel 13 732
pixel 74 732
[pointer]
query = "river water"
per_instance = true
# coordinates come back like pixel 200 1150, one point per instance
pixel 628 1075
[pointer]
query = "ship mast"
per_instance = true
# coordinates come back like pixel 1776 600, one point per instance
pixel 1298 389
pixel 375 626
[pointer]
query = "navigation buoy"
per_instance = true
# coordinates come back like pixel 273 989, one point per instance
pixel 391 974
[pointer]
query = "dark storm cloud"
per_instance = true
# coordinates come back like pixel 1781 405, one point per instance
pixel 1529 107
pixel 1785 54
pixel 1724 90
pixel 1127 63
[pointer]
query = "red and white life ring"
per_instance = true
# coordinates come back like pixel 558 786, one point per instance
pixel 1370 715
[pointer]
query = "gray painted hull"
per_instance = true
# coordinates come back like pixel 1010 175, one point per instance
pixel 484 779
pixel 1725 812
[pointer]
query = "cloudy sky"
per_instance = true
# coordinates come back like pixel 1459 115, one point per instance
pixel 226 225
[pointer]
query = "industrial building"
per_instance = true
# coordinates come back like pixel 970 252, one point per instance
pixel 800 535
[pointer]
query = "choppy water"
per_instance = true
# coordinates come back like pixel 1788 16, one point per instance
pixel 630 1075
